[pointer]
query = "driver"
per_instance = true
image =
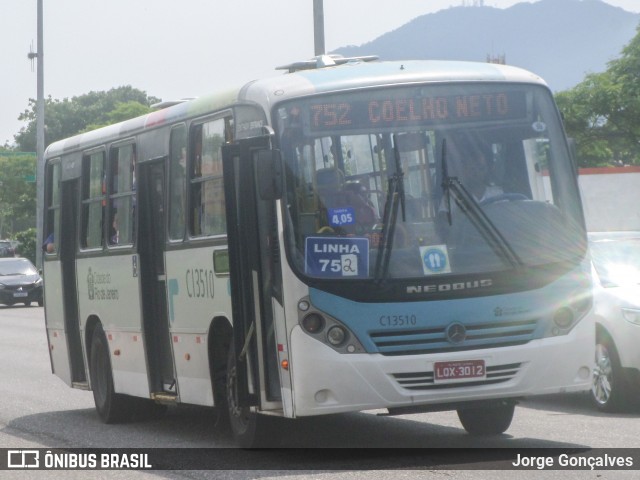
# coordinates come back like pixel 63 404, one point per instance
pixel 472 162
pixel 475 173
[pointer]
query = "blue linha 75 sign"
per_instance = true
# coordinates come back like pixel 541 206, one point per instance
pixel 337 257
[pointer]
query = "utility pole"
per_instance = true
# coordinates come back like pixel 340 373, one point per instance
pixel 39 54
pixel 318 27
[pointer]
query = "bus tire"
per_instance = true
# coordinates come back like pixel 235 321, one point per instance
pixel 487 420
pixel 249 429
pixel 111 407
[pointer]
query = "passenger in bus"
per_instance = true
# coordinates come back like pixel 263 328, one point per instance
pixel 114 239
pixel 329 187
pixel 366 216
pixel 49 245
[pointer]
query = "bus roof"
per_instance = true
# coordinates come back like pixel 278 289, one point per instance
pixel 266 92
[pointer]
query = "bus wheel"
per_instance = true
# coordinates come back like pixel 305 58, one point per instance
pixel 111 407
pixel 487 420
pixel 249 429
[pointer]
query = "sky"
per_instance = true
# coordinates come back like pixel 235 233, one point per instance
pixel 178 49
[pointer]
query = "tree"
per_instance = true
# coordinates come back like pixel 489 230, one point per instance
pixel 27 248
pixel 68 117
pixel 603 111
pixel 17 192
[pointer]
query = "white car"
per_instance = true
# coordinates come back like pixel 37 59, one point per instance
pixel 616 264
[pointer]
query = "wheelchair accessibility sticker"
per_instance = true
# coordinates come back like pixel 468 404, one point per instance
pixel 335 257
pixel 435 259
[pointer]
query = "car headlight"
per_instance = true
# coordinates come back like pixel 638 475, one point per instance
pixel 38 282
pixel 2 287
pixel 631 315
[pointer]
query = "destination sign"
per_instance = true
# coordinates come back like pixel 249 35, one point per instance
pixel 398 112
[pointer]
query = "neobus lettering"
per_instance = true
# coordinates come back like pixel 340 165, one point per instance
pixel 447 287
pixel 199 283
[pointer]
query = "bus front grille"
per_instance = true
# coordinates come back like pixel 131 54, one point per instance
pixel 425 381
pixel 434 340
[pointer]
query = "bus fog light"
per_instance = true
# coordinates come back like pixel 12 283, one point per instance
pixel 336 336
pixel 563 317
pixel 322 396
pixel 313 323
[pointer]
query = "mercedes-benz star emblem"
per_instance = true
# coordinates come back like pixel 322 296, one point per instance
pixel 456 333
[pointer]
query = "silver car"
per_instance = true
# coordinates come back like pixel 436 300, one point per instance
pixel 20 282
pixel 616 264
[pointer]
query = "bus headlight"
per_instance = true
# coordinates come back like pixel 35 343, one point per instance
pixel 563 317
pixel 313 323
pixel 336 335
pixel 326 329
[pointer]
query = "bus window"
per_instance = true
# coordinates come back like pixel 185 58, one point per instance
pixel 52 220
pixel 122 198
pixel 207 188
pixel 177 186
pixel 93 200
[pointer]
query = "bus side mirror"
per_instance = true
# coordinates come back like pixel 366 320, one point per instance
pixel 269 171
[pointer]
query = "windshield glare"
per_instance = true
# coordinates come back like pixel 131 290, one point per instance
pixel 617 261
pixel 374 181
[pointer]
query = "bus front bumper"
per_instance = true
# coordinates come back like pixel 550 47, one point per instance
pixel 325 381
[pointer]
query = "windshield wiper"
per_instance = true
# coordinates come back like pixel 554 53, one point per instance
pixel 445 182
pixel 395 199
pixel 479 219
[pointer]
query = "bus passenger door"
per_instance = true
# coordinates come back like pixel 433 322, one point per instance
pixel 151 241
pixel 68 246
pixel 255 275
pixel 61 305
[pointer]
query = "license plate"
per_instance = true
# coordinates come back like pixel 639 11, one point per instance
pixel 20 294
pixel 461 370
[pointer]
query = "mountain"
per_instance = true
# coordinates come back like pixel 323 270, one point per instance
pixel 560 40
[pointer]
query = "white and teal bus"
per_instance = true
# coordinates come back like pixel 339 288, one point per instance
pixel 350 235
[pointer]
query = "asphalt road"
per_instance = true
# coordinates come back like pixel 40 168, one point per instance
pixel 37 410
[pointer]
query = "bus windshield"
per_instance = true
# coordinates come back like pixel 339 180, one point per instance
pixel 427 180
